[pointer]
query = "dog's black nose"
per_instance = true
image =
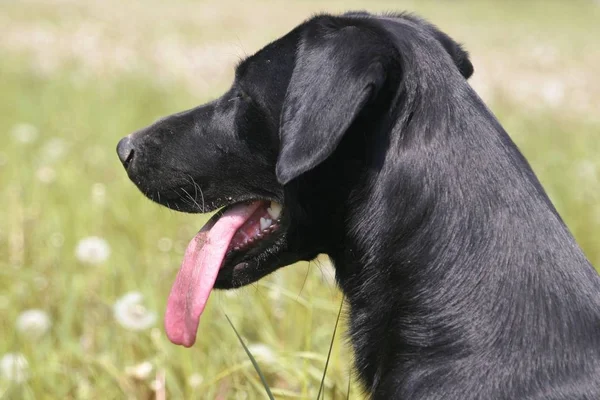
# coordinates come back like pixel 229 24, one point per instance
pixel 126 151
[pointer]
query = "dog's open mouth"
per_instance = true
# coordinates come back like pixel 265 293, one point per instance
pixel 234 229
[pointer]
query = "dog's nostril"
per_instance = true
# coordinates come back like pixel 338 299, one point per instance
pixel 125 151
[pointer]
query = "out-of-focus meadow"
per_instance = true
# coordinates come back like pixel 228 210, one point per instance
pixel 80 244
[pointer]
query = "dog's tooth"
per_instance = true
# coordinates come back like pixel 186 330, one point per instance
pixel 274 210
pixel 265 223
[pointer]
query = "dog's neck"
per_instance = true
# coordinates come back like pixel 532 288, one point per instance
pixel 410 310
pixel 431 261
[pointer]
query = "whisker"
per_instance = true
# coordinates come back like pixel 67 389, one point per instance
pixel 193 199
pixel 197 189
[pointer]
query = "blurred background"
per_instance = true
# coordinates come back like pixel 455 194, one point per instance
pixel 86 262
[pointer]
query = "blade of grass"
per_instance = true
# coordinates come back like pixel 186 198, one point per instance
pixel 349 382
pixel 254 363
pixel 330 348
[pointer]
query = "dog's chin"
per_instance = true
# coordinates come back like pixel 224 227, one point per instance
pixel 242 269
pixel 243 273
pixel 263 257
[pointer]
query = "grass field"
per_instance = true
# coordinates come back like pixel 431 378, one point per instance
pixel 77 76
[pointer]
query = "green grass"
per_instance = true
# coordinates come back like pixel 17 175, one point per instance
pixel 293 312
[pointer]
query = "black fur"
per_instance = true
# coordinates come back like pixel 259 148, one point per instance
pixel 463 282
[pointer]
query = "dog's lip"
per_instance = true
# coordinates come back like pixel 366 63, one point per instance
pixel 221 208
pixel 173 198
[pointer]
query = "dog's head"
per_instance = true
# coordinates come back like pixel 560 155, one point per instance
pixel 281 151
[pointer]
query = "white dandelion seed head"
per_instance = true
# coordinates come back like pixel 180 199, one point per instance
pixel 156 385
pixel 275 293
pixel 241 396
pixel 263 352
pixel 195 380
pixel 24 133
pixel 165 244
pixel 140 371
pixel 14 367
pixel 553 92
pixel 92 250
pixel 33 324
pixel 98 193
pixel 130 312
pixel 53 150
pixel 46 174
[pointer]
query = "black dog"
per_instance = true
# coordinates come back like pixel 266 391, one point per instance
pixel 463 282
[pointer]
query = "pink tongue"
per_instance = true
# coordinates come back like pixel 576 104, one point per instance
pixel 199 269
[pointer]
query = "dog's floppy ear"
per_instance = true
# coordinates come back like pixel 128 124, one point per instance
pixel 337 72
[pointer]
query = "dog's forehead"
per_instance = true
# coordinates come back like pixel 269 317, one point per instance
pixel 266 74
pixel 277 57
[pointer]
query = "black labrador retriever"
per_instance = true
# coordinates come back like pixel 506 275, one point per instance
pixel 359 137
